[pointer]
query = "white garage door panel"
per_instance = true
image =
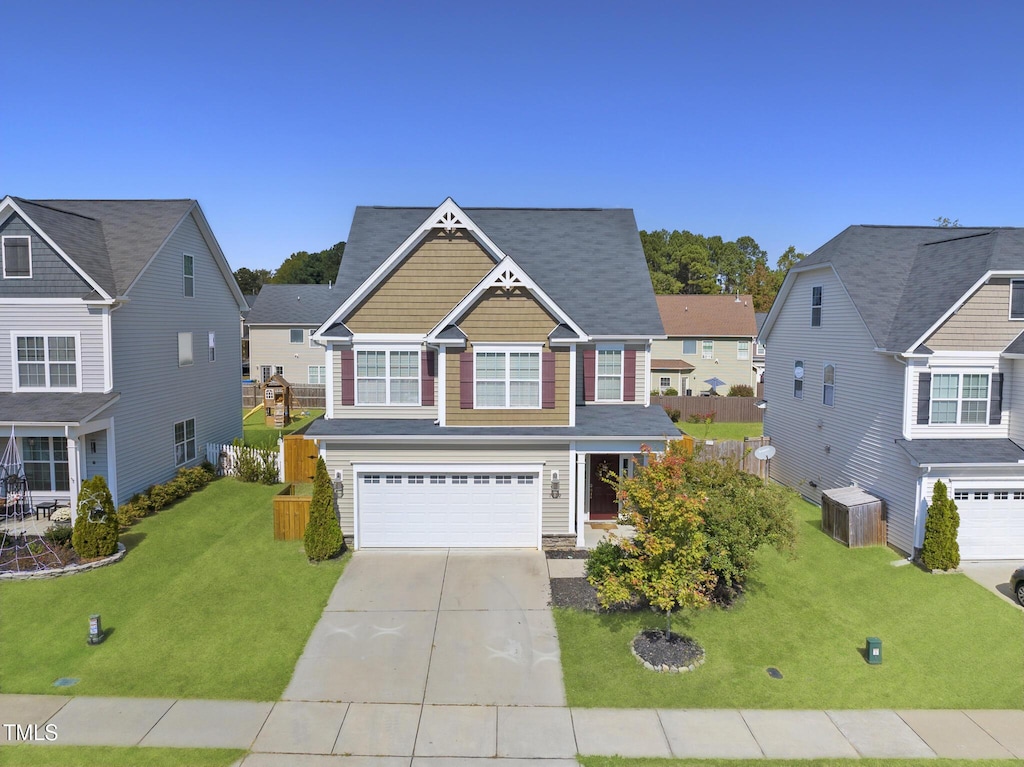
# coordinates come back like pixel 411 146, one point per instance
pixel 991 524
pixel 448 510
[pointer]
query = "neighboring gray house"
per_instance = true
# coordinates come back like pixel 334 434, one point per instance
pixel 121 320
pixel 281 324
pixel 895 358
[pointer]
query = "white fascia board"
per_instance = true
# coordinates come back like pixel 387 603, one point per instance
pixel 491 279
pixel 961 301
pixel 404 339
pixel 432 221
pixel 57 249
pixel 42 300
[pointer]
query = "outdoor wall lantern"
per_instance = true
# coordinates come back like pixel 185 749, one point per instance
pixel 555 485
pixel 96 632
pixel 339 484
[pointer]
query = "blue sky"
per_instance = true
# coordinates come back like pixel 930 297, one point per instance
pixel 785 121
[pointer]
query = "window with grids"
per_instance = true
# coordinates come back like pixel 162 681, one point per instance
pixel 665 382
pixel 816 307
pixel 46 463
pixel 47 362
pixel 188 276
pixel 317 374
pixel 743 350
pixel 17 257
pixel 184 441
pixel 959 398
pixel 707 350
pixel 387 377
pixel 507 379
pixel 609 375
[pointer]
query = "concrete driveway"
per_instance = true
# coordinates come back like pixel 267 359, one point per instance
pixel 994 575
pixel 463 627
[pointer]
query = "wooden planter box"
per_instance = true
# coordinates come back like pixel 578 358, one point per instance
pixel 853 517
pixel 291 514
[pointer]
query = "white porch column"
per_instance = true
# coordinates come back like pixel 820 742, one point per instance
pixel 112 464
pixel 581 496
pixel 74 474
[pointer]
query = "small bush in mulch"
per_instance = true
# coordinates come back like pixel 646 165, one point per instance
pixel 667 652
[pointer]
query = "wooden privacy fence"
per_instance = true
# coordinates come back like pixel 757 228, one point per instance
pixel 291 514
pixel 726 409
pixel 299 458
pixel 302 396
pixel 738 451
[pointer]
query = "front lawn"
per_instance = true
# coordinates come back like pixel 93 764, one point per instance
pixel 110 756
pixel 721 431
pixel 946 642
pixel 258 434
pixel 206 605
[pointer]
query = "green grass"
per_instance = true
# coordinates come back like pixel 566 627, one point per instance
pixel 946 641
pixel 258 434
pixel 721 430
pixel 109 756
pixel 618 761
pixel 206 605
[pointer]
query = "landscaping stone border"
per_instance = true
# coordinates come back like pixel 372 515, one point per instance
pixel 68 570
pixel 667 668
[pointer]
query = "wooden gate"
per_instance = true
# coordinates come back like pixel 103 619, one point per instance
pixel 299 458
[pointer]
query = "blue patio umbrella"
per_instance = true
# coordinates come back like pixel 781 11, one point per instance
pixel 715 382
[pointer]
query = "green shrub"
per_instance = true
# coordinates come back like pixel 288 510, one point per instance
pixel 604 560
pixel 323 538
pixel 741 390
pixel 96 526
pixel 671 392
pixel 158 497
pixel 59 536
pixel 941 550
pixel 255 465
pixel 673 413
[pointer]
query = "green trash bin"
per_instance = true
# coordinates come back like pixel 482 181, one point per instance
pixel 874 651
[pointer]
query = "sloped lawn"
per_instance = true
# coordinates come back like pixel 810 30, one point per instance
pixel 946 642
pixel 206 605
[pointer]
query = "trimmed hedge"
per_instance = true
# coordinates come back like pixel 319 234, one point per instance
pixel 186 482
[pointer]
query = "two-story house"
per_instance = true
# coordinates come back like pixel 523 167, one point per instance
pixel 708 337
pixel 488 367
pixel 120 324
pixel 281 325
pixel 896 358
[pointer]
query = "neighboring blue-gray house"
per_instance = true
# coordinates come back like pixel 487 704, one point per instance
pixel 895 358
pixel 121 324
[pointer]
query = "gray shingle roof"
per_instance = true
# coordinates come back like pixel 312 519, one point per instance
pixel 111 239
pixel 52 407
pixel 902 279
pixel 589 261
pixel 929 452
pixel 294 305
pixel 621 421
pixel 1016 346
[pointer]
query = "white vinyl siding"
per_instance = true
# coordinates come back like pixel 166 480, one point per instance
pixel 271 345
pixel 50 321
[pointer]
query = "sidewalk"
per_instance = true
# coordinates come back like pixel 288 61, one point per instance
pixel 417 734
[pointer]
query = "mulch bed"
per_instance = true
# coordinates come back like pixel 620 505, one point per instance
pixel 567 553
pixel 18 557
pixel 672 653
pixel 573 592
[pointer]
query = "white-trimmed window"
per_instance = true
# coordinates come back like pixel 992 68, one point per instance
pixel 188 276
pixel 665 382
pixel 609 375
pixel 506 378
pixel 387 377
pixel 959 398
pixel 17 257
pixel 46 464
pixel 707 350
pixel 1017 299
pixel 184 349
pixel 47 362
pixel 743 350
pixel 816 306
pixel 317 374
pixel 296 336
pixel 184 442
pixel 689 346
pixel 759 349
pixel 212 345
pixel 828 387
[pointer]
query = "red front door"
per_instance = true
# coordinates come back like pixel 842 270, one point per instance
pixel 603 504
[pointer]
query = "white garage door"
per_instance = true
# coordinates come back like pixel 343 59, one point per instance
pixel 448 509
pixel 991 523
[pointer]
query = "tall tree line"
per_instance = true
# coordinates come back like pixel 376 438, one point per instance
pixel 300 268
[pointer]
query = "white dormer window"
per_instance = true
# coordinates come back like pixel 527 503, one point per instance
pixel 17 257
pixel 609 375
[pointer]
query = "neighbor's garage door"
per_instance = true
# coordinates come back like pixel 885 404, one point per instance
pixel 991 523
pixel 449 509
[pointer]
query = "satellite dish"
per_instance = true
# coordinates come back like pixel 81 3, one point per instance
pixel 764 453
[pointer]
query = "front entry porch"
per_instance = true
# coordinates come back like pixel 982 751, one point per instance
pixel 596 505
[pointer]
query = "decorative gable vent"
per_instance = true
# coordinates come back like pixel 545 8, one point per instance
pixel 507 279
pixel 449 221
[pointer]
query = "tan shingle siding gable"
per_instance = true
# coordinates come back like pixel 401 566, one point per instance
pixel 981 324
pixel 424 288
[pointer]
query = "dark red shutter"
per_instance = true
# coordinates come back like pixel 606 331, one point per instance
pixel 547 376
pixel 589 374
pixel 466 380
pixel 348 377
pixel 427 375
pixel 995 403
pixel 629 375
pixel 924 398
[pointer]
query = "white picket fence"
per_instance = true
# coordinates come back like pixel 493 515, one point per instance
pixel 225 457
